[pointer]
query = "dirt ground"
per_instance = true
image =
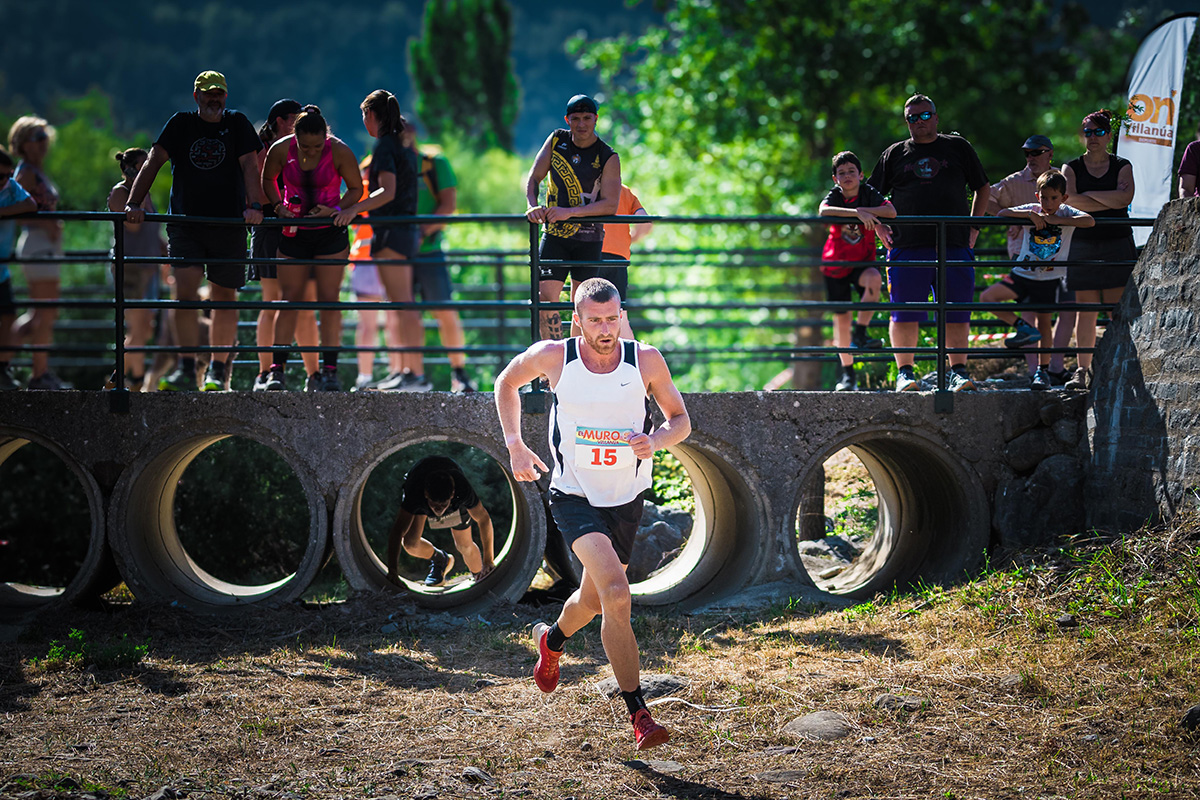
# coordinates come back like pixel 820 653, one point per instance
pixel 1063 673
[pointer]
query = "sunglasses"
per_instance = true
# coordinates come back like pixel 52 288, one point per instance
pixel 1095 132
pixel 913 119
pixel 1036 153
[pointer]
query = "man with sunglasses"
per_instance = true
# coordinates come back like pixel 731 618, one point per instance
pixel 214 170
pixel 930 174
pixel 13 200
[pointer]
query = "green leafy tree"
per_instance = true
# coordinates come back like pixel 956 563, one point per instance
pixel 462 70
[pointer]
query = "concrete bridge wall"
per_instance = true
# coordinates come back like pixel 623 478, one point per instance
pixel 949 484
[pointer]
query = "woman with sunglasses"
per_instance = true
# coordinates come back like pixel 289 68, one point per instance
pixel 1101 184
pixel 29 139
pixel 313 165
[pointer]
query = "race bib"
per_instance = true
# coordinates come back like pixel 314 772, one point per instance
pixel 603 448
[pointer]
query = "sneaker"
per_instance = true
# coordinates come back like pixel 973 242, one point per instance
pixel 1041 380
pixel 8 383
pixel 48 381
pixel 545 672
pixel 178 381
pixel 1059 378
pixel 362 382
pixel 439 567
pixel 388 384
pixel 906 381
pixel 646 732
pixel 275 381
pixel 1023 335
pixel 459 382
pixel 1082 379
pixel 848 382
pixel 214 378
pixel 860 341
pixel 260 381
pixel 959 381
pixel 327 381
pixel 407 382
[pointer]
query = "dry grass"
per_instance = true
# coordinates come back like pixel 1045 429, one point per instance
pixel 307 702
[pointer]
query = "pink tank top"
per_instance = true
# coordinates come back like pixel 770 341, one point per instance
pixel 321 185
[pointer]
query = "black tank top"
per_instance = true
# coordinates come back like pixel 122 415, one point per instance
pixel 1085 182
pixel 575 181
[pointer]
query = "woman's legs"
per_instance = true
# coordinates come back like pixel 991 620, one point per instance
pixel 41 323
pixel 397 280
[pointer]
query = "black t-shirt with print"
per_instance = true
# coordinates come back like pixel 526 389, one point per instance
pixel 575 181
pixel 390 156
pixel 207 179
pixel 930 180
pixel 413 493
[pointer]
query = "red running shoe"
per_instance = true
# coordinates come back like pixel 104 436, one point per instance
pixel 646 732
pixel 545 672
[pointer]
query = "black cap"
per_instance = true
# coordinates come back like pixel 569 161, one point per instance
pixel 582 103
pixel 282 108
pixel 1037 141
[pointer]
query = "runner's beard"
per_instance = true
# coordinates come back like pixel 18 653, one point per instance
pixel 604 348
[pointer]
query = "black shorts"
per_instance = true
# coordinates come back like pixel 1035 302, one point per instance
pixel 576 518
pixel 556 248
pixel 8 306
pixel 618 276
pixel 837 290
pixel 403 239
pixel 1101 275
pixel 431 277
pixel 196 245
pixel 309 243
pixel 1028 290
pixel 264 243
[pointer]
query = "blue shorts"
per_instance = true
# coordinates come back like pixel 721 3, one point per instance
pixel 916 284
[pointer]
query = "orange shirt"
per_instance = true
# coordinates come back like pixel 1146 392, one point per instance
pixel 360 248
pixel 617 237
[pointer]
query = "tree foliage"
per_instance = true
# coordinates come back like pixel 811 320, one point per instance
pixel 740 104
pixel 462 70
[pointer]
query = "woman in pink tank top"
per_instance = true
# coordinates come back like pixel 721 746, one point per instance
pixel 314 166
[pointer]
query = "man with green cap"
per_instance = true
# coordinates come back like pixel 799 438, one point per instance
pixel 214 174
pixel 585 181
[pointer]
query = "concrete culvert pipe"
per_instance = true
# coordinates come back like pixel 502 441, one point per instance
pixel 725 542
pixel 147 545
pixel 933 516
pixel 366 509
pixel 87 569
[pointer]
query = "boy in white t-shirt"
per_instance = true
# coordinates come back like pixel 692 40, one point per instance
pixel 1047 240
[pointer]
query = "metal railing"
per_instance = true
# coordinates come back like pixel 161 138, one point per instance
pixel 522 297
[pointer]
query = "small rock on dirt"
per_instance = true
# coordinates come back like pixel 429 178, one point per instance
pixel 1191 718
pixel 895 702
pixel 1067 621
pixel 820 725
pixel 652 686
pixel 475 775
pixel 782 776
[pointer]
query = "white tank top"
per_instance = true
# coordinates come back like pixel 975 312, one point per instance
pixel 591 421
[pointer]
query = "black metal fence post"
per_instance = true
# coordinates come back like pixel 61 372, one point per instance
pixel 118 400
pixel 943 401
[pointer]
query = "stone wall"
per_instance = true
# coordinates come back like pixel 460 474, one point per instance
pixel 1145 418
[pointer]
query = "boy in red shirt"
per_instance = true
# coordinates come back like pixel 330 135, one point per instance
pixel 848 243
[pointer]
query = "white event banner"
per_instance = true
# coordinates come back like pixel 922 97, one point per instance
pixel 1155 84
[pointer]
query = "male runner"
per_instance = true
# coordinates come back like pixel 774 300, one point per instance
pixel 437 491
pixel 603 442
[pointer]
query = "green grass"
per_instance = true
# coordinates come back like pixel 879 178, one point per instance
pixel 76 652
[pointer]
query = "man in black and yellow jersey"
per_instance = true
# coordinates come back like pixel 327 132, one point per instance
pixel 585 181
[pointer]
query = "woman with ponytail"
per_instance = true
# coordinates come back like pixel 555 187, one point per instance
pixel 313 165
pixel 140 281
pixel 392 181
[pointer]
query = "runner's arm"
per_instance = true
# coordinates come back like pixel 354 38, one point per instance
pixel 678 425
pixel 487 546
pixel 533 182
pixel 535 362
